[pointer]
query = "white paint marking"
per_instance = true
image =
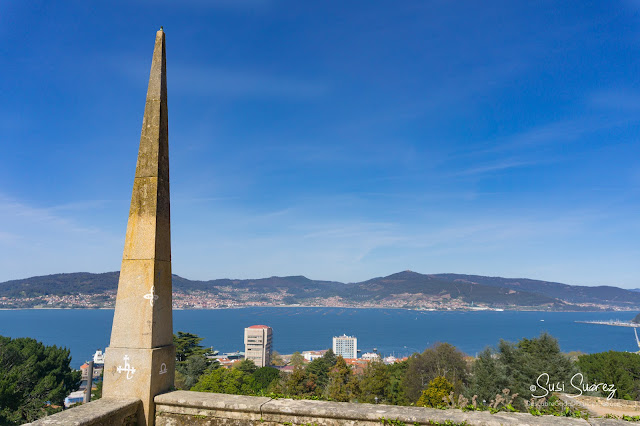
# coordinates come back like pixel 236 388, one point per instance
pixel 127 367
pixel 152 296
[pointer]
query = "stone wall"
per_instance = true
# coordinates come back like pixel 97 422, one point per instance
pixel 200 408
pixel 103 412
pixel 599 406
pixel 604 402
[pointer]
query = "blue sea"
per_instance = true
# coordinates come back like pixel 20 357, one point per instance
pixel 392 331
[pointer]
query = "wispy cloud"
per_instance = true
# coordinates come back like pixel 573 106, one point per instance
pixel 556 133
pixel 507 229
pixel 78 206
pixel 497 167
pixel 216 4
pixel 596 118
pixel 41 240
pixel 349 249
pixel 543 144
pixel 616 100
pixel 13 209
pixel 205 81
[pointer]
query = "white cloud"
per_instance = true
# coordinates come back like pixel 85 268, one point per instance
pixel 37 241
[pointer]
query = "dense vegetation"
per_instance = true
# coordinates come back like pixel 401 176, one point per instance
pixel 34 379
pixel 506 377
pixel 513 376
pixel 191 359
pixel 494 291
pixel 620 368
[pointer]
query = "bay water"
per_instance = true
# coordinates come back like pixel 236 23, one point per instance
pixel 391 331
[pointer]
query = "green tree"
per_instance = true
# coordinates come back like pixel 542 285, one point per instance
pixel 32 375
pixel 297 359
pixel 300 383
pixel 238 382
pixel 191 360
pixel 488 376
pixel 247 366
pixel 374 383
pixel 529 358
pixel 320 368
pixel 221 380
pixel 621 369
pixel 97 393
pixel 187 344
pixel 396 390
pixel 192 369
pixel 517 366
pixel 264 377
pixel 440 360
pixel 212 381
pixel 330 358
pixel 433 396
pixel 342 384
pixel 276 359
pixel 179 381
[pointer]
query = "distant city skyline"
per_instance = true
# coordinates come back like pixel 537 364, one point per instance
pixel 336 141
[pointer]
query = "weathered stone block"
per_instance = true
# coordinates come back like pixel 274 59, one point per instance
pixel 148 233
pixel 139 373
pixel 211 409
pixel 153 150
pixel 143 313
pixel 103 412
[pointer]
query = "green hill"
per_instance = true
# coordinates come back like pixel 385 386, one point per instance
pixel 568 293
pixel 415 283
pixel 402 288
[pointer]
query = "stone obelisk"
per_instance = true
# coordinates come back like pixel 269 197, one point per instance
pixel 140 361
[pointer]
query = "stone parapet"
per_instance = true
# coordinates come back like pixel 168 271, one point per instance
pixel 599 406
pixel 212 409
pixel 103 412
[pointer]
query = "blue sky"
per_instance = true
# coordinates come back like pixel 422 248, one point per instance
pixel 336 140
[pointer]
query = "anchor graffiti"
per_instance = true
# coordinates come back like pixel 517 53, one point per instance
pixel 127 367
pixel 151 295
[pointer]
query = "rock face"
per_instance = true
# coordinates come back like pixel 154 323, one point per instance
pixel 140 360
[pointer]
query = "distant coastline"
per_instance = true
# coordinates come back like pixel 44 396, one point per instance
pixel 533 309
pixel 403 290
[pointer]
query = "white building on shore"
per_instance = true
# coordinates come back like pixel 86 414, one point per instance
pixel 257 344
pixel 345 346
pixel 371 356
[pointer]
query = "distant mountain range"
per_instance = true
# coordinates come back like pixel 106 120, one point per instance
pixel 404 289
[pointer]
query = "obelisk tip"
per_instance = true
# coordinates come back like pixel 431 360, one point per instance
pixel 161 28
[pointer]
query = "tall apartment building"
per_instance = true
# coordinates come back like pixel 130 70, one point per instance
pixel 257 344
pixel 345 346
